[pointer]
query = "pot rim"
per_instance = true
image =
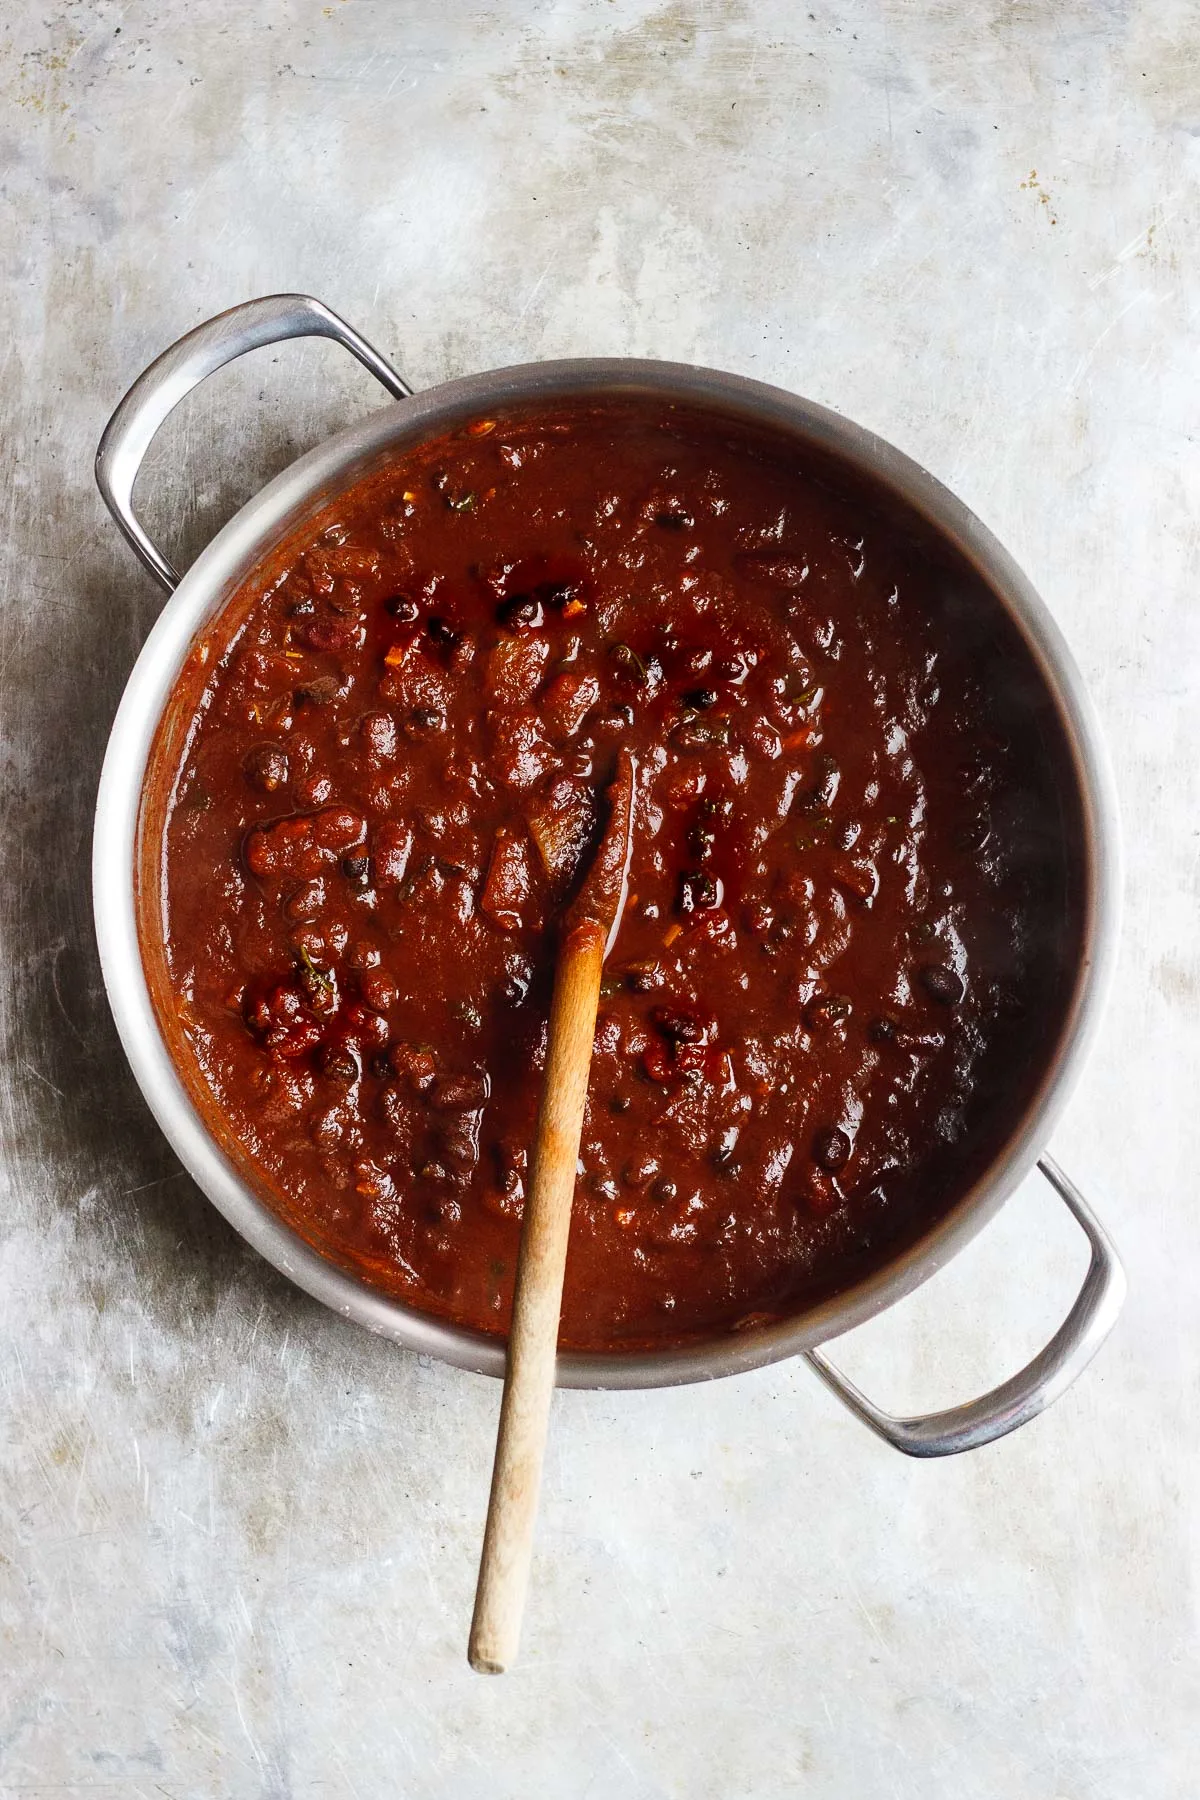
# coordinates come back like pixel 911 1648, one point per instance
pixel 277 509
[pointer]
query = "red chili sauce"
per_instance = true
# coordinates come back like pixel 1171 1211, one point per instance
pixel 841 968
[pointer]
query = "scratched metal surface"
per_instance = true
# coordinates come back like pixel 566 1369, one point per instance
pixel 238 1538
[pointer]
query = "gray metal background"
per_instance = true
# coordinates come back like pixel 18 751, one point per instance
pixel 238 1536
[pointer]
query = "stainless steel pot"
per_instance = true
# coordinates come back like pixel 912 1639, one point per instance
pixel 296 494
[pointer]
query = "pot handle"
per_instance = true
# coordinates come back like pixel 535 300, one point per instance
pixel 1037 1385
pixel 160 388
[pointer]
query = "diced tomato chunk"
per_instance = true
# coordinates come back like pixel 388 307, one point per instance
pixel 506 889
pixel 567 702
pixel 302 844
pixel 560 825
pixel 514 670
pixel 521 755
pixel 391 846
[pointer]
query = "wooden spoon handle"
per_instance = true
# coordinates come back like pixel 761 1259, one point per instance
pixel 537 1302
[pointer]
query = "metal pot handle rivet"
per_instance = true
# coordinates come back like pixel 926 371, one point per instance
pixel 1037 1385
pixel 156 392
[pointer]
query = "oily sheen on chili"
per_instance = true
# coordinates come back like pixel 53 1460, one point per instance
pixel 849 897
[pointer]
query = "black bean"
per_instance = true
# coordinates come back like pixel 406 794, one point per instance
pixel 645 978
pixel 357 870
pixel 425 721
pixel 339 1063
pixel 267 767
pixel 883 1030
pixel 822 791
pixel 700 699
pixel 406 611
pixel 522 613
pixel 442 633
pixel 698 892
pixel 942 983
pixel 733 668
pixel 674 520
pixel 664 1189
pixel 831 1149
pixel 680 1027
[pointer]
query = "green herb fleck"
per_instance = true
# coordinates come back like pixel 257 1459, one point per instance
pixel 317 981
pixel 632 660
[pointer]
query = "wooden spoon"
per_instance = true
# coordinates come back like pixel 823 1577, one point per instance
pixel 589 931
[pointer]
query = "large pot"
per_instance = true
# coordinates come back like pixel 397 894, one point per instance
pixel 288 501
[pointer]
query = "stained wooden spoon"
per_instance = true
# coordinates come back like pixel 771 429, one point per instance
pixel 589 931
